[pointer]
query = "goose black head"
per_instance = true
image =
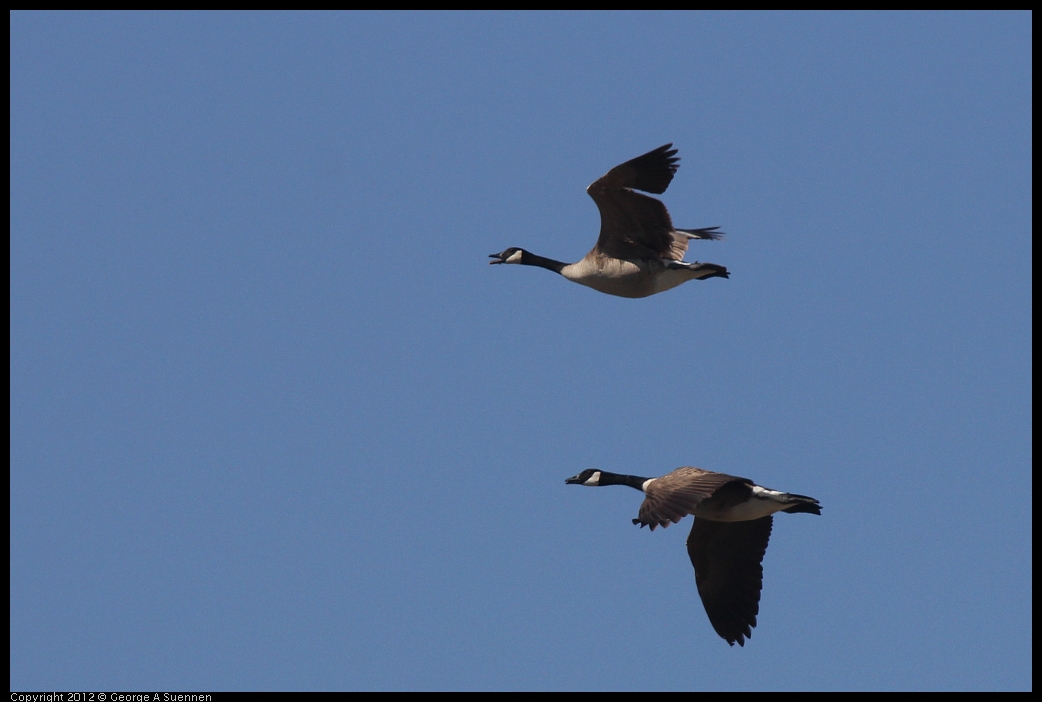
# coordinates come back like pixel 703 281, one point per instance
pixel 511 255
pixel 590 476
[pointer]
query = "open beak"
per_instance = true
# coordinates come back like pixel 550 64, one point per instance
pixel 499 259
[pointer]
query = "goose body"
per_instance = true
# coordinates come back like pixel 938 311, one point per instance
pixel 732 525
pixel 639 252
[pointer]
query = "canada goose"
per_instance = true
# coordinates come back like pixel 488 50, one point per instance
pixel 639 252
pixel 727 541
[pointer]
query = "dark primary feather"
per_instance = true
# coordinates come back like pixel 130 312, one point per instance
pixel 651 172
pixel 727 557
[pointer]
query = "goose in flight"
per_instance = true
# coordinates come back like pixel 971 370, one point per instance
pixel 639 252
pixel 728 538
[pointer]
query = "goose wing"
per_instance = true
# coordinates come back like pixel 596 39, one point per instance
pixel 674 496
pixel 727 557
pixel 635 225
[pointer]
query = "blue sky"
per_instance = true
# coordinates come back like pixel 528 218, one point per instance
pixel 276 424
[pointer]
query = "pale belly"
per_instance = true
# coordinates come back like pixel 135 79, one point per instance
pixel 625 278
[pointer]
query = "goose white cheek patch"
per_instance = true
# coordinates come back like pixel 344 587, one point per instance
pixel 594 479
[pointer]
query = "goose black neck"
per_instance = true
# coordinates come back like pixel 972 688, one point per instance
pixel 530 259
pixel 634 481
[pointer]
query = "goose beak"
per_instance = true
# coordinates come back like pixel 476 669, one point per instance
pixel 574 480
pixel 499 259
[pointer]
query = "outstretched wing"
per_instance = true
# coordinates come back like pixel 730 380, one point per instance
pixel 674 496
pixel 635 225
pixel 727 557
